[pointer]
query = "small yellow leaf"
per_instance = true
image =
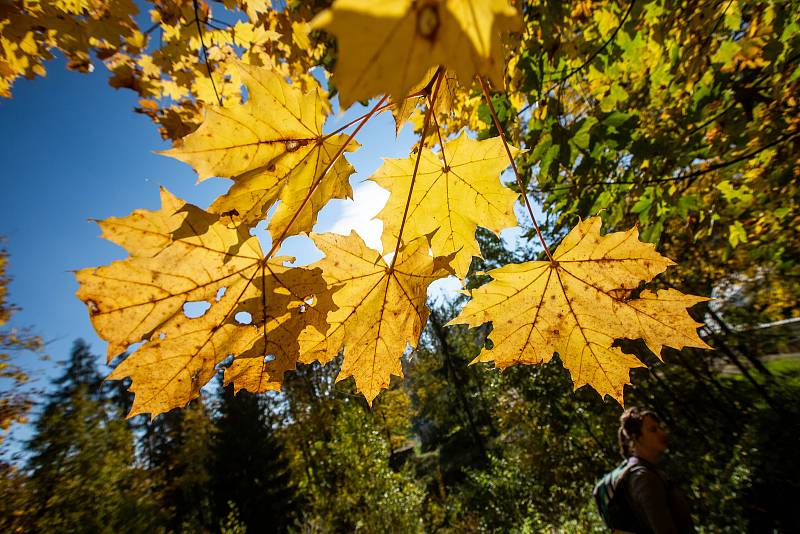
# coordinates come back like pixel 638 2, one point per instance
pixel 449 199
pixel 445 99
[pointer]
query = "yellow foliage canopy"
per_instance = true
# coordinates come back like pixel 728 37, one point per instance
pixel 271 144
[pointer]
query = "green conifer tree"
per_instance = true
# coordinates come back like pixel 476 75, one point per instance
pixel 83 474
pixel 249 467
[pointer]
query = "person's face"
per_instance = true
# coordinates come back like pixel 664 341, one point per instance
pixel 653 440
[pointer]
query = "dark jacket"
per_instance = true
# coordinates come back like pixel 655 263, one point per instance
pixel 658 505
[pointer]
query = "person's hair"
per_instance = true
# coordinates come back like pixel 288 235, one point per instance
pixel 630 428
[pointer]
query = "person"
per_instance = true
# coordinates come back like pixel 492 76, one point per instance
pixel 658 507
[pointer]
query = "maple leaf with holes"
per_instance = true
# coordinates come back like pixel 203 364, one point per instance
pixel 273 148
pixel 454 192
pixel 579 304
pixel 181 254
pixel 380 308
pixel 390 46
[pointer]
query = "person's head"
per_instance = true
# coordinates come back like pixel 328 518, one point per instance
pixel 640 434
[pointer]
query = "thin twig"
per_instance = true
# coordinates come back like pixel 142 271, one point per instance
pixel 220 21
pixel 689 176
pixel 152 28
pixel 205 50
pixel 428 114
pixel 513 166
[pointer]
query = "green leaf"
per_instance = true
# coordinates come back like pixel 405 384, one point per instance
pixel 547 160
pixel 736 234
pixel 583 135
pixel 732 195
pixel 616 118
pixel 725 53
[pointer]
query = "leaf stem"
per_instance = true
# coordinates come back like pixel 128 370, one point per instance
pixel 522 189
pixel 357 119
pixel 379 110
pixel 277 242
pixel 425 124
pixel 441 143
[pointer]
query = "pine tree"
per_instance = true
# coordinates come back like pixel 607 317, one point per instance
pixel 177 450
pixel 83 475
pixel 249 469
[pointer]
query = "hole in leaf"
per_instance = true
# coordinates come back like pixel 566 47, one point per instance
pixel 269 358
pixel 92 305
pixel 220 293
pixel 243 318
pixel 224 364
pixel 195 309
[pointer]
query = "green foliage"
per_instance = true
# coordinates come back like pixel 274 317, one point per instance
pixel 179 459
pixel 232 524
pixel 340 457
pixel 250 475
pixel 361 492
pixel 686 125
pixel 83 476
pixel 14 402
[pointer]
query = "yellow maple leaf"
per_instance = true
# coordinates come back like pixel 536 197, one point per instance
pixel 578 305
pixel 178 255
pixel 380 308
pixel 289 313
pixel 389 46
pixel 273 148
pixel 452 196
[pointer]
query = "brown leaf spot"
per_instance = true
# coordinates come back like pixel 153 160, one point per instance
pixel 294 144
pixel 428 22
pixel 93 309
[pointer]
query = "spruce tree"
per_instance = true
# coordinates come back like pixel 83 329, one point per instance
pixel 250 471
pixel 178 453
pixel 83 476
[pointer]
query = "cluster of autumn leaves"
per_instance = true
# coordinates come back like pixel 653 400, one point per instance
pixel 575 303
